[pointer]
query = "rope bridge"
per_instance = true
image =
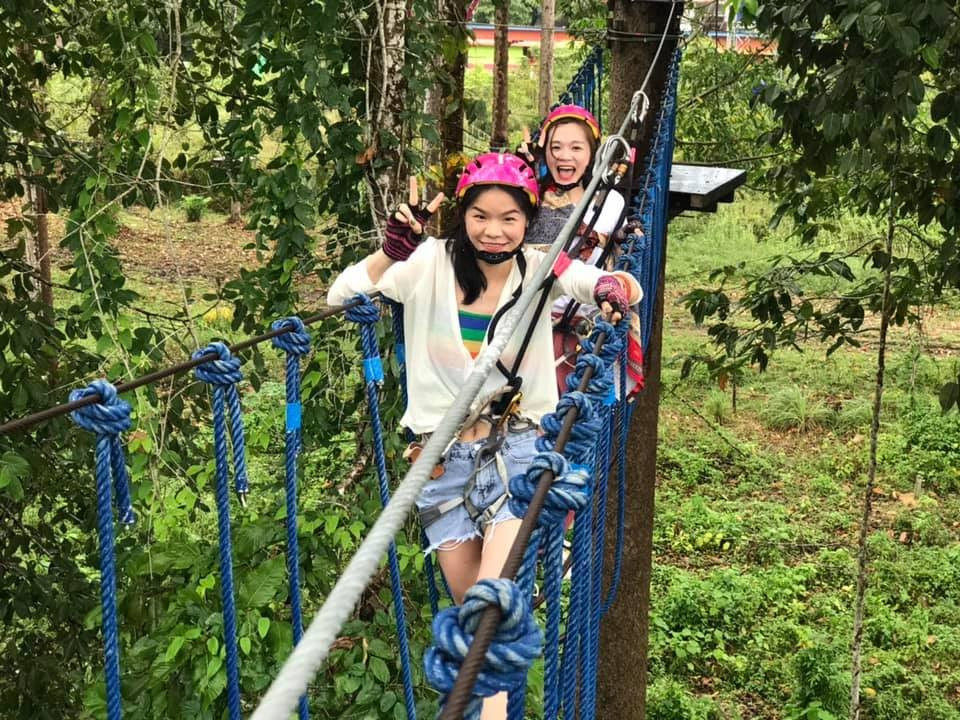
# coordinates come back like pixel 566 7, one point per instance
pixel 487 644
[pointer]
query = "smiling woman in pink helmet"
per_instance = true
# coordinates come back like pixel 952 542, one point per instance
pixel 451 289
pixel 565 151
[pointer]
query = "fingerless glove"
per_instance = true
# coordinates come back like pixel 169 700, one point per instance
pixel 608 289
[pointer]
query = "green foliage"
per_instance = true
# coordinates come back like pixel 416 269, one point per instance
pixel 821 688
pixel 792 408
pixel 193 206
pixel 669 700
pixel 718 121
pixel 717 406
pixel 857 138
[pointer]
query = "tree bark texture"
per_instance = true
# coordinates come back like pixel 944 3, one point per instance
pixel 547 21
pixel 453 13
pixel 501 61
pixel 38 247
pixel 624 636
pixel 387 96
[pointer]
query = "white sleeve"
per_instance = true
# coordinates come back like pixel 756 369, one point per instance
pixel 397 282
pixel 579 280
pixel 610 214
pixel 351 281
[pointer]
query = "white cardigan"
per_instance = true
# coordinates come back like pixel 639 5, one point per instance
pixel 437 361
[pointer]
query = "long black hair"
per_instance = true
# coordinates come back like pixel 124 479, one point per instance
pixel 547 180
pixel 469 276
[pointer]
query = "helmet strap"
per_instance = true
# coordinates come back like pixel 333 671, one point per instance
pixel 492 258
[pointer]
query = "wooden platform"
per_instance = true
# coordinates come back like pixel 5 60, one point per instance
pixel 700 187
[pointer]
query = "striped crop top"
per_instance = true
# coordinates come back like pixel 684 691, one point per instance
pixel 473 328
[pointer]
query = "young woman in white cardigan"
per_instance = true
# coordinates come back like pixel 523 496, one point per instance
pixel 451 289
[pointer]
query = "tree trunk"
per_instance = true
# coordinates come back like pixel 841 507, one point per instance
pixel 547 21
pixel 38 247
pixel 501 60
pixel 453 13
pixel 386 98
pixel 235 213
pixel 624 636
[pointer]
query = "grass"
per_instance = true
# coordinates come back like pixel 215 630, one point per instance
pixel 754 548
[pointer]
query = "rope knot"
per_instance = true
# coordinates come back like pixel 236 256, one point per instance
pixel 569 490
pixel 516 644
pixel 107 419
pixel 366 313
pixel 296 340
pixel 110 416
pixel 580 445
pixel 222 370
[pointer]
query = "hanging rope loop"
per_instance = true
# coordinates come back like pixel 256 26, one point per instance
pixel 223 373
pixel 581 443
pixel 516 644
pixel 108 418
pixel 296 341
pixel 365 313
pixel 570 489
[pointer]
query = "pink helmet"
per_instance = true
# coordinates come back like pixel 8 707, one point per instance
pixel 569 112
pixel 498 168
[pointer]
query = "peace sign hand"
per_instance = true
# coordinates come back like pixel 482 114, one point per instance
pixel 404 230
pixel 527 148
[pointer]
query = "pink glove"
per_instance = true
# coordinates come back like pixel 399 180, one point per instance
pixel 400 239
pixel 608 289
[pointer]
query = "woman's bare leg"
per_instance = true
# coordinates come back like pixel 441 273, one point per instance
pixel 460 563
pixel 496 546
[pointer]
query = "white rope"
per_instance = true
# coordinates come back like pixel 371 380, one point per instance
pixel 308 656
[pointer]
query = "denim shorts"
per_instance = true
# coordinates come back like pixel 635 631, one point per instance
pixel 455 525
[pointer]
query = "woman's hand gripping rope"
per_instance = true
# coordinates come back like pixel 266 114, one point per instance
pixel 611 297
pixel 404 229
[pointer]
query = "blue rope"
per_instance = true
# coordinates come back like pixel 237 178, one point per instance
pixel 295 343
pixel 223 374
pixel 366 315
pixel 569 491
pixel 622 424
pixel 516 644
pixel 107 419
pixel 396 313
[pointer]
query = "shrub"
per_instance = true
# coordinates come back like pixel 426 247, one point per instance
pixel 717 406
pixel 194 206
pixel 792 408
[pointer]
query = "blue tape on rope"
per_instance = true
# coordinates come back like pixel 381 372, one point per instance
pixel 582 466
pixel 373 370
pixel 610 398
pixel 294 416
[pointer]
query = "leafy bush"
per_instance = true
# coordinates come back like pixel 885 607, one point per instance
pixel 194 206
pixel 821 687
pixel 717 406
pixel 668 699
pixel 791 408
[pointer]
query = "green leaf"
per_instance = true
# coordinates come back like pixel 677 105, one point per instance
pixel 263 583
pixel 13 469
pixel 387 700
pixel 245 644
pixel 941 107
pixel 939 141
pixel 213 645
pixel 173 648
pixel 263 627
pixel 379 669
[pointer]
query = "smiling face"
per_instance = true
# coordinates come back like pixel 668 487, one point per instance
pixel 568 152
pixel 495 222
